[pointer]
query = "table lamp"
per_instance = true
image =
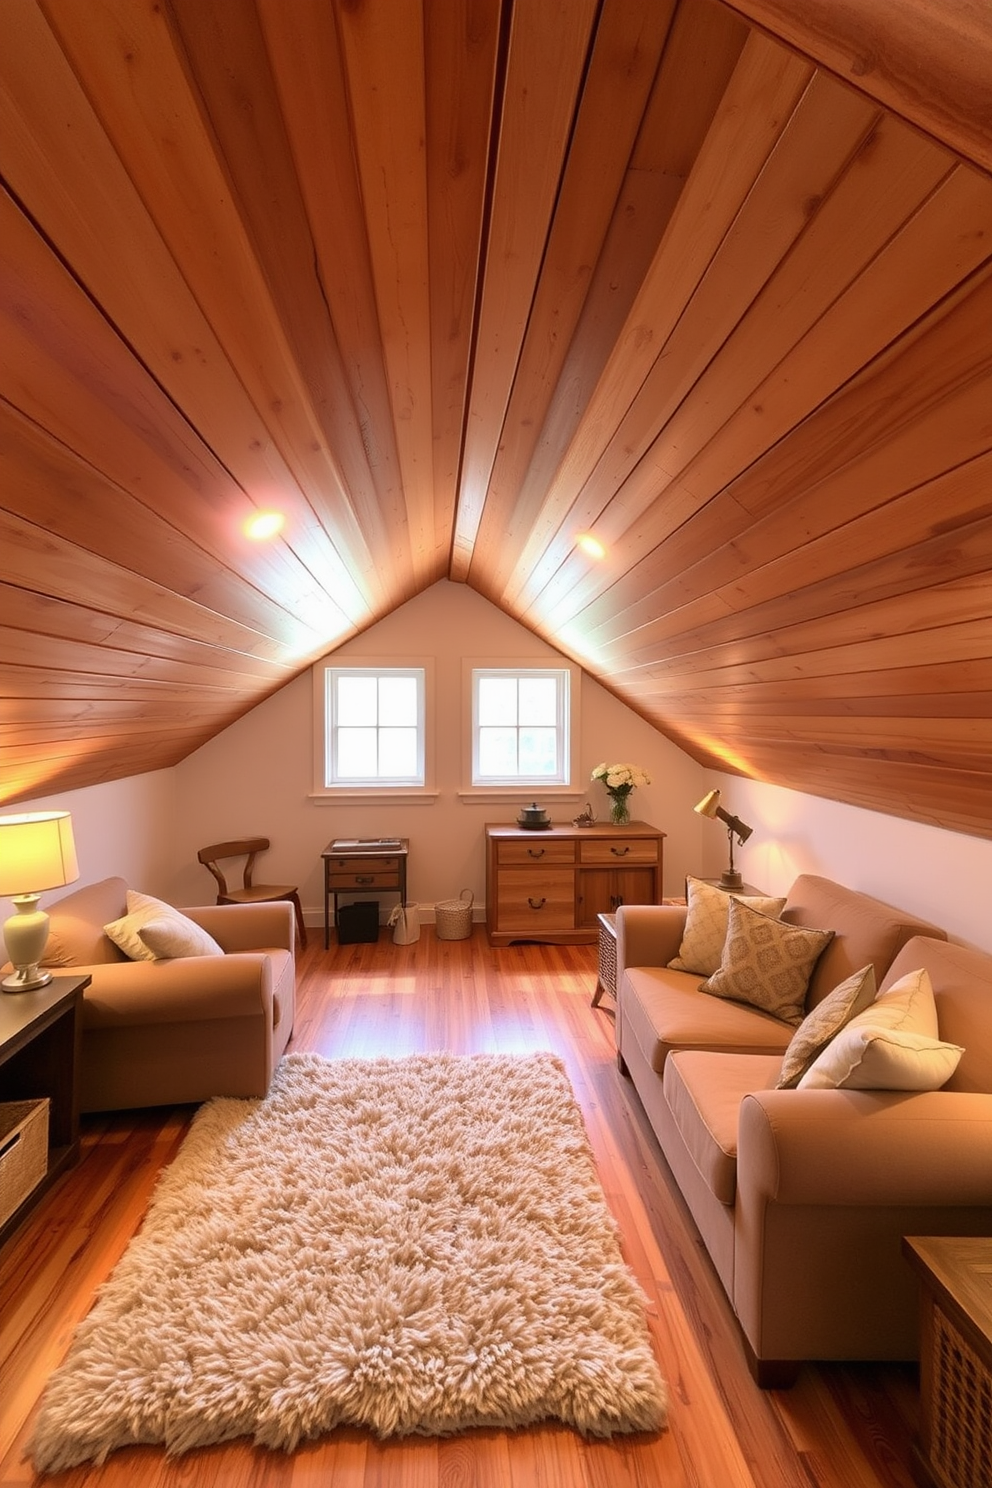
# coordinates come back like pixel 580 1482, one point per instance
pixel 36 853
pixel 710 806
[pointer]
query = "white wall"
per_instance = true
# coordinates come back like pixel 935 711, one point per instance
pixel 256 776
pixel 945 877
pixel 122 829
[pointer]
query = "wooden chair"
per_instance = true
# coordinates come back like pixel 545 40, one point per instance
pixel 251 893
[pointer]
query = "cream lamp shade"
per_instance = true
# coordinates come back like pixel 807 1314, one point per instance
pixel 37 852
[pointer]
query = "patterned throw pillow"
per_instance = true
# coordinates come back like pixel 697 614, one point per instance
pixel 819 1026
pixel 767 963
pixel 706 925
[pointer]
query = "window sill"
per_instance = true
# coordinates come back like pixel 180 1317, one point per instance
pixel 498 794
pixel 411 796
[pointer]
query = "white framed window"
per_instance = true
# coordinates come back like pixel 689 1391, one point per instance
pixel 370 727
pixel 521 726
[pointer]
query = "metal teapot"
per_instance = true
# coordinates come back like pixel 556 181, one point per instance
pixel 533 817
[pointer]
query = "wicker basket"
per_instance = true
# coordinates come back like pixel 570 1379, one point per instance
pixel 453 917
pixel 23 1152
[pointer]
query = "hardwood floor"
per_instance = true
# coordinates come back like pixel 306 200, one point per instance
pixel 839 1427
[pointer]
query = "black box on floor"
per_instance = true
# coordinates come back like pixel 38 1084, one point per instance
pixel 358 923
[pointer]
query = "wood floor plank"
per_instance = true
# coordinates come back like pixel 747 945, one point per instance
pixel 840 1427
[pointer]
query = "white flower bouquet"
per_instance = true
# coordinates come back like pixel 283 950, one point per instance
pixel 620 780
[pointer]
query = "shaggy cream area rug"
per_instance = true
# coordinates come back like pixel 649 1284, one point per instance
pixel 407 1245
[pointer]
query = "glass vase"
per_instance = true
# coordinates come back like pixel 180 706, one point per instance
pixel 619 811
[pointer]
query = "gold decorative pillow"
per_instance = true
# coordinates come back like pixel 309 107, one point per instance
pixel 819 1026
pixel 706 925
pixel 767 963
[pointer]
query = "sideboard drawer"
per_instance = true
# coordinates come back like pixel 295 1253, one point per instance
pixel 620 850
pixel 531 902
pixel 535 852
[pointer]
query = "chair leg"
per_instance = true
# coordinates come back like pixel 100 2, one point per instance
pixel 301 927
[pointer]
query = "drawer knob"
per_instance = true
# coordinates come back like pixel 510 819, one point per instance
pixel 536 903
pixel 364 878
pixel 535 852
pixel 619 852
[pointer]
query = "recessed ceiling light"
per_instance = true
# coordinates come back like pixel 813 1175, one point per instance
pixel 590 545
pixel 264 524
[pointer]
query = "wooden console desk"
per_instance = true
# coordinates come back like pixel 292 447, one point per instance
pixel 362 867
pixel 553 885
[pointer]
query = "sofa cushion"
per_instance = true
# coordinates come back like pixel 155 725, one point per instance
pixel 171 934
pixel 867 1058
pixel 705 930
pixel 824 1021
pixel 766 963
pixel 75 931
pixel 664 1010
pixel 865 929
pixel 704 1092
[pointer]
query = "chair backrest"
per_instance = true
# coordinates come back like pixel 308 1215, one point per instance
pixel 248 848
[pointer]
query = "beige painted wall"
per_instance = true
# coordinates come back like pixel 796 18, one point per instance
pixel 256 776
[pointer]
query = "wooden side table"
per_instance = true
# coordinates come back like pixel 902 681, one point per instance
pixel 955 1446
pixel 40 1036
pixel 360 865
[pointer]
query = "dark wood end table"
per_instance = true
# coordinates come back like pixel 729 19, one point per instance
pixel 40 1035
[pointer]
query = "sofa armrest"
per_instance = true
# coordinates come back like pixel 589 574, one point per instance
pixel 190 989
pixel 648 934
pixel 247 927
pixel 866 1148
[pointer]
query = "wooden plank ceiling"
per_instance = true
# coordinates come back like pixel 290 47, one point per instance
pixel 448 284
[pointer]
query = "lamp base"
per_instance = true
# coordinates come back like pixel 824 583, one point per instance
pixel 731 879
pixel 25 936
pixel 26 979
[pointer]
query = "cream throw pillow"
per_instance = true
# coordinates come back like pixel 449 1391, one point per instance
pixel 169 932
pixel 706 925
pixel 866 1058
pixel 907 1006
pixel 767 963
pixel 825 1020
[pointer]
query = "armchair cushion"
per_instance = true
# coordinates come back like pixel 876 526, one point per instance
pixel 152 930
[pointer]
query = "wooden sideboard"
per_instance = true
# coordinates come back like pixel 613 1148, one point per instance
pixel 553 885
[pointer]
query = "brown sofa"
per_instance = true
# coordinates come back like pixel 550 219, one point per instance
pixel 802 1195
pixel 175 1031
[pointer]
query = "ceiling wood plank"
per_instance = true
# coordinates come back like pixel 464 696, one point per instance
pixel 547 50
pixel 766 86
pixel 931 63
pixel 626 52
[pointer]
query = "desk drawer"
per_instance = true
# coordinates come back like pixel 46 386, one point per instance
pixel 619 851
pixel 345 874
pixel 535 851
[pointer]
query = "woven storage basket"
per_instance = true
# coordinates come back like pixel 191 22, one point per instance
pixel 23 1151
pixel 453 917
